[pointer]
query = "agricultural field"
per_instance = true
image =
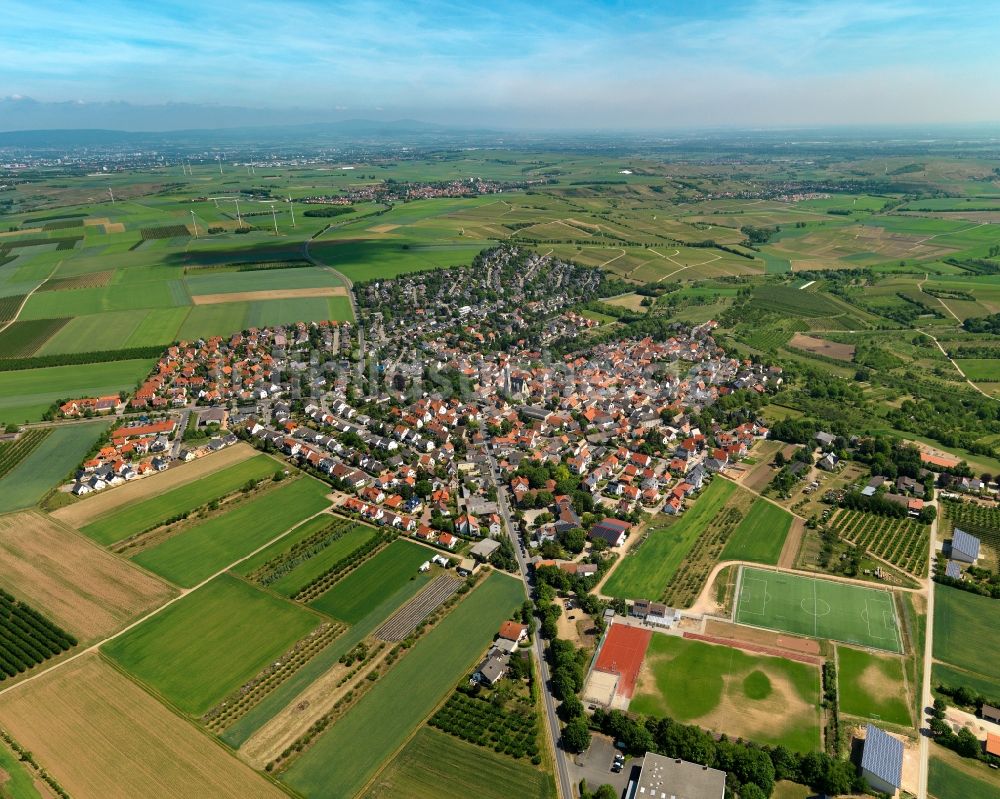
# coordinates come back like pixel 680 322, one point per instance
pixel 209 643
pixel 287 566
pixel 649 567
pixel 13 452
pixel 83 588
pixel 901 542
pixel 50 462
pixel 951 677
pixel 28 637
pixel 26 394
pixel 351 598
pixel 82 717
pixel 136 517
pixel 872 686
pixel 255 733
pixel 24 339
pixel 766 699
pixel 204 548
pixel 965 633
pixel 818 608
pixel 356 747
pixel 955 777
pixel 761 534
pixel 434 765
pixel 979 520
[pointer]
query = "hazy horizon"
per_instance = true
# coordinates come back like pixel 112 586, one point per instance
pixel 559 66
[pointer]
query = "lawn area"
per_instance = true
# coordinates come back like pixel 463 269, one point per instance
pixel 767 699
pixel 352 598
pixel 27 393
pixel 286 692
pixel 346 756
pixel 761 534
pixel 435 765
pixel 53 460
pixel 645 572
pixel 199 551
pixel 210 642
pixel 871 686
pixel 953 777
pixel 818 608
pixel 136 517
pixel 965 630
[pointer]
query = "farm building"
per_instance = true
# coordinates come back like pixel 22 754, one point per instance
pixel 483 549
pixel 666 776
pixel 882 761
pixel 964 547
pixel 990 713
pixel 953 570
pixel 614 531
pixel 993 744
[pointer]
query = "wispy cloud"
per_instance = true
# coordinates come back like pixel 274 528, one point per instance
pixel 555 63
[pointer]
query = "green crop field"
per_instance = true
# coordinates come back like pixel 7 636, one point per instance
pixel 872 686
pixel 23 339
pixel 26 394
pixel 350 599
pixel 985 370
pixel 13 452
pixel 761 534
pixel 902 542
pixel 207 644
pixel 305 572
pixel 286 692
pixel 818 608
pixel 346 756
pixel 951 677
pixel 965 630
pixel 953 778
pixel 645 571
pixel 149 513
pixel 201 550
pixel 53 460
pixel 435 765
pixel 766 699
pixel 19 782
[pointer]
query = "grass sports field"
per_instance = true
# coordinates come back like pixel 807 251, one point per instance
pixel 965 631
pixel 645 572
pixel 435 765
pixel 211 642
pixel 346 756
pixel 767 699
pixel 872 686
pixel 201 550
pixel 818 608
pixel 101 735
pixel 50 462
pixel 353 597
pixel 138 516
pixel 761 534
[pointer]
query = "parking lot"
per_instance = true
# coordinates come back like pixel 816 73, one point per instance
pixel 594 766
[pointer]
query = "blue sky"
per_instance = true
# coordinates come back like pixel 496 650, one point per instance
pixel 584 65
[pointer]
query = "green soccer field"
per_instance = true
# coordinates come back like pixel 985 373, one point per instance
pixel 817 608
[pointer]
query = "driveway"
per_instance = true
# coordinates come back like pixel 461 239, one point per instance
pixel 594 766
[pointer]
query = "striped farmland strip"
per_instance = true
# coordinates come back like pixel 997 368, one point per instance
pixel 405 620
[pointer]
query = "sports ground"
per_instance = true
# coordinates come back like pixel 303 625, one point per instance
pixel 622 654
pixel 802 605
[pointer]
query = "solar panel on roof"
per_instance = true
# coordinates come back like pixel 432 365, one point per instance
pixel 967 544
pixel 882 756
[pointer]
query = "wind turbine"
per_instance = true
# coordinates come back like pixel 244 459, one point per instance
pixel 219 159
pixel 112 195
pixel 275 220
pixel 195 223
pixel 291 207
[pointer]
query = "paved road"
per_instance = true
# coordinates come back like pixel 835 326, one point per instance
pixel 564 782
pixel 926 698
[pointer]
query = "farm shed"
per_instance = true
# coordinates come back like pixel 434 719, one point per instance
pixel 964 547
pixel 990 713
pixel 882 761
pixel 614 531
pixel 483 549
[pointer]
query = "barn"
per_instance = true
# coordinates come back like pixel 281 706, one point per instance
pixel 882 761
